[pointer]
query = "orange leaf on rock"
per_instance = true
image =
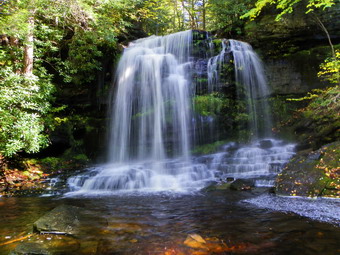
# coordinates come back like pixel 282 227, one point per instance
pixel 196 241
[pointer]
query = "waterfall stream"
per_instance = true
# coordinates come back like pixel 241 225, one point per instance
pixel 153 124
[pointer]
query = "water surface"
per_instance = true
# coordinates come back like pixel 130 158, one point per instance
pixel 160 223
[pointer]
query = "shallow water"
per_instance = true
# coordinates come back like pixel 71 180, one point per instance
pixel 160 223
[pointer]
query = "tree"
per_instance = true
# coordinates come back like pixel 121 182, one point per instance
pixel 286 6
pixel 60 43
pixel 224 16
pixel 330 68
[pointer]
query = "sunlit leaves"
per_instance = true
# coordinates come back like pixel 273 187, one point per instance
pixel 286 6
pixel 330 69
pixel 225 15
pixel 208 105
pixel 23 103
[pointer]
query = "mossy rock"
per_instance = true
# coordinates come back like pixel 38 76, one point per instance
pixel 64 219
pixel 67 220
pixel 312 174
pixel 217 186
pixel 30 249
pixel 242 184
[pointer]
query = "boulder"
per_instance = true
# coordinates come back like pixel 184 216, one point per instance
pixel 242 184
pixel 64 220
pixel 312 173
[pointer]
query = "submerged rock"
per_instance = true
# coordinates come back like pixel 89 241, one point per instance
pixel 312 174
pixel 195 241
pixel 242 184
pixel 64 220
pixel 30 249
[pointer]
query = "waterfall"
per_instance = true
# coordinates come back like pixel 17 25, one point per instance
pixel 152 123
pixel 149 144
pixel 215 64
pixel 249 76
pixel 151 116
pixel 250 82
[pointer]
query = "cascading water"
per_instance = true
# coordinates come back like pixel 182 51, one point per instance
pixel 250 83
pixel 249 75
pixel 215 64
pixel 261 160
pixel 152 121
pixel 152 105
pixel 264 156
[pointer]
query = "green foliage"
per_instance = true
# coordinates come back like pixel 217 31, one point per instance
pixel 224 16
pixel 330 69
pixel 24 102
pixel 156 16
pixel 319 121
pixel 77 68
pixel 286 6
pixel 209 105
pixel 209 148
pixel 310 95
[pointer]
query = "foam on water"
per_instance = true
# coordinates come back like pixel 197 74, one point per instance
pixel 318 209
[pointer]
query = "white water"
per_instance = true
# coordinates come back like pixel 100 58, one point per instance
pixel 249 75
pixel 152 105
pixel 215 65
pixel 260 159
pixel 324 210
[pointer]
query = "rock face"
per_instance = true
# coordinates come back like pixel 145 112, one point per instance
pixel 296 72
pixel 64 220
pixel 315 173
pixel 294 47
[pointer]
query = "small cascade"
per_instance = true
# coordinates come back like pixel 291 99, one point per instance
pixel 250 83
pixel 250 80
pixel 261 160
pixel 215 64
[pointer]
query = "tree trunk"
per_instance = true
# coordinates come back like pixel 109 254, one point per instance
pixel 203 14
pixel 28 50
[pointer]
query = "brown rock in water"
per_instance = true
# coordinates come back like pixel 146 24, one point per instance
pixel 196 241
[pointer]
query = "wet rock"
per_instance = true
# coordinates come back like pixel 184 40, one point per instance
pixel 312 174
pixel 64 220
pixel 266 144
pixel 230 179
pixel 242 184
pixel 30 249
pixel 217 186
pixel 315 155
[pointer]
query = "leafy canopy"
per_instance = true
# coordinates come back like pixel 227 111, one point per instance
pixel 286 6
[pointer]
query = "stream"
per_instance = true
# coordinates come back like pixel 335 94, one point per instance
pixel 159 223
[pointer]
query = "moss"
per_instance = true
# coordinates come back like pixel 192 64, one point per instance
pixel 312 174
pixel 208 148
